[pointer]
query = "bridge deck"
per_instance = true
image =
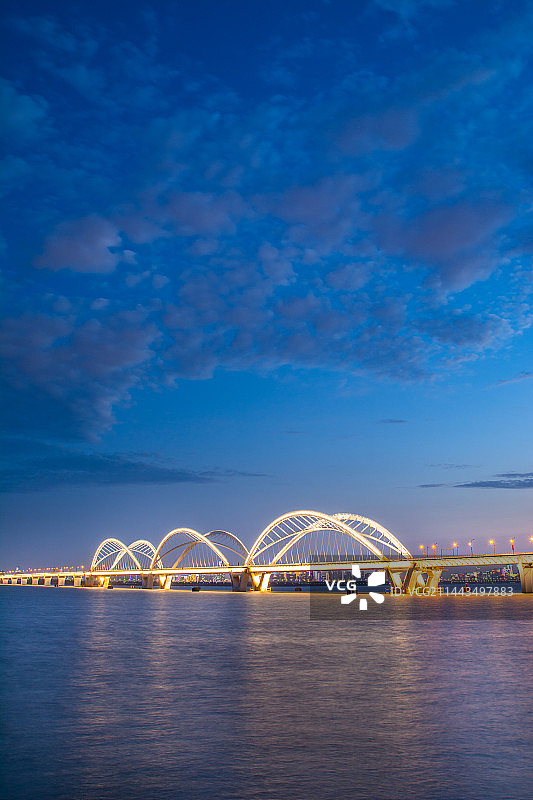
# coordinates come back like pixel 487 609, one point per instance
pixel 431 563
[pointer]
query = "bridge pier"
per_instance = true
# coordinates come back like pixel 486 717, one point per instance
pixel 104 582
pixel 525 570
pixel 89 581
pixel 395 579
pixel 433 578
pixel 165 582
pixel 77 580
pixel 61 580
pixel 414 578
pixel 148 581
pixel 260 581
pixel 240 581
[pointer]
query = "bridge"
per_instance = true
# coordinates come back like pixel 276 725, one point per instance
pixel 297 542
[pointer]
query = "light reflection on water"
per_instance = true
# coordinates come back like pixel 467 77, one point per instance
pixel 130 694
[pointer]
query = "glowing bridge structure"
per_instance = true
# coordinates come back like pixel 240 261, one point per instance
pixel 300 541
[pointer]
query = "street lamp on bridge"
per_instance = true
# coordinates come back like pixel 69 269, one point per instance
pixel 491 542
pixel 470 544
pixel 511 542
pixel 456 546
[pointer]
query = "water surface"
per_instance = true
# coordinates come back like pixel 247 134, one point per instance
pixel 135 694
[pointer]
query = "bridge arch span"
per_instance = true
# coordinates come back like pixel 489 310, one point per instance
pixel 110 552
pixel 144 550
pixel 187 548
pixel 372 530
pixel 228 541
pixel 300 536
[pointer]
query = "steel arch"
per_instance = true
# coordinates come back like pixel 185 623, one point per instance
pixel 196 538
pixel 241 550
pixel 143 547
pixel 388 538
pixel 314 520
pixel 109 547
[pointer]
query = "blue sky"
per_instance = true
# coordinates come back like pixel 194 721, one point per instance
pixel 263 256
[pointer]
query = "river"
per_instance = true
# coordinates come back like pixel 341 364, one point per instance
pixel 130 694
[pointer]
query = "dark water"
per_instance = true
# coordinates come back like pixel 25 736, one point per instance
pixel 129 694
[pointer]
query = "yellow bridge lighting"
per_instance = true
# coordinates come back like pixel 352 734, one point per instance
pixel 303 541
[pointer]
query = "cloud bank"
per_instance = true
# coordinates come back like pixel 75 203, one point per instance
pixel 505 480
pixel 30 466
pixel 371 222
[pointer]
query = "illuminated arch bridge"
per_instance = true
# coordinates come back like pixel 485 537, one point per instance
pixel 295 542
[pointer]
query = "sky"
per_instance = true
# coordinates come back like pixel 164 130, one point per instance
pixel 260 257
